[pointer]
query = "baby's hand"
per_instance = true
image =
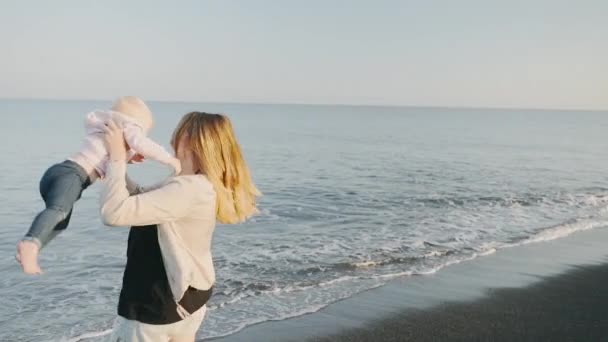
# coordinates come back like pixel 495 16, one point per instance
pixel 136 159
pixel 177 166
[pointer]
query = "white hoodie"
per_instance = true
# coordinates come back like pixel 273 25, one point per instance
pixel 183 207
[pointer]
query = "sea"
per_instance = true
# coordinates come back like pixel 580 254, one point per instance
pixel 353 197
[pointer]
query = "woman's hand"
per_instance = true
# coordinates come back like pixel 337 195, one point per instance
pixel 115 142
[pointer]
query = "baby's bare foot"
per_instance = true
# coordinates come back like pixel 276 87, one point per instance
pixel 27 256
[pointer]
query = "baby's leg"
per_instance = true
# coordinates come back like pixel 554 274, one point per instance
pixel 60 189
pixel 29 247
pixel 48 224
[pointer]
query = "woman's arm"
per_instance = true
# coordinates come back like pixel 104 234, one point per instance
pixel 135 189
pixel 168 203
pixel 132 187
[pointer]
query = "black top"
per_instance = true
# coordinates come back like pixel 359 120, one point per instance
pixel 146 295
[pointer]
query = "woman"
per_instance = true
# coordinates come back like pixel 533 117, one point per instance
pixel 169 273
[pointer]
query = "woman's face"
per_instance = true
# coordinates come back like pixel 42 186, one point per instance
pixel 182 152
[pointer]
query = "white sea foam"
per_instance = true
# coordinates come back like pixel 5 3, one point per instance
pixel 89 335
pixel 560 231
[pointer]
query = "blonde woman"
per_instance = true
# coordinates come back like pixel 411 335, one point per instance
pixel 169 273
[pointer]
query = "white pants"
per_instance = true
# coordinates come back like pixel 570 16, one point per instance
pixel 126 330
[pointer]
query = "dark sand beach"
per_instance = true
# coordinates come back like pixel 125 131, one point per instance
pixel 568 307
pixel 547 291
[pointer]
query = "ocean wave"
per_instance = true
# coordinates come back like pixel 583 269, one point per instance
pixel 258 319
pixel 558 231
pixel 89 335
pixel 439 256
pixel 516 200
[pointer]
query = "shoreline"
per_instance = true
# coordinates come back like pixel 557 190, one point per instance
pixel 568 307
pixel 504 282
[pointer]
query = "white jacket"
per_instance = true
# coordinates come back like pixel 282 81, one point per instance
pixel 183 207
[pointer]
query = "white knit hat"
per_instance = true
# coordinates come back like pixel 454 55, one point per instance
pixel 135 108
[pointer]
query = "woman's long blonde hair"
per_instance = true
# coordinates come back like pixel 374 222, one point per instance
pixel 218 156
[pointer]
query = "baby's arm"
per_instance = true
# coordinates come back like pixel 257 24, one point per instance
pixel 143 145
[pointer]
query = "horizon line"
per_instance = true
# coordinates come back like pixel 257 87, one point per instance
pixel 278 103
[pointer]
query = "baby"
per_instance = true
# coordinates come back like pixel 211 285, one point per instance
pixel 62 184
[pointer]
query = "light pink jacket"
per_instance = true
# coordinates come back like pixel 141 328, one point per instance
pixel 93 155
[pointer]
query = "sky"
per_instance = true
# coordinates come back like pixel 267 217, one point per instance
pixel 480 53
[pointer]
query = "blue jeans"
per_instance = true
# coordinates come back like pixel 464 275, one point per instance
pixel 61 186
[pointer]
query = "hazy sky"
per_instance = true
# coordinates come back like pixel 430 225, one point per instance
pixel 535 53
